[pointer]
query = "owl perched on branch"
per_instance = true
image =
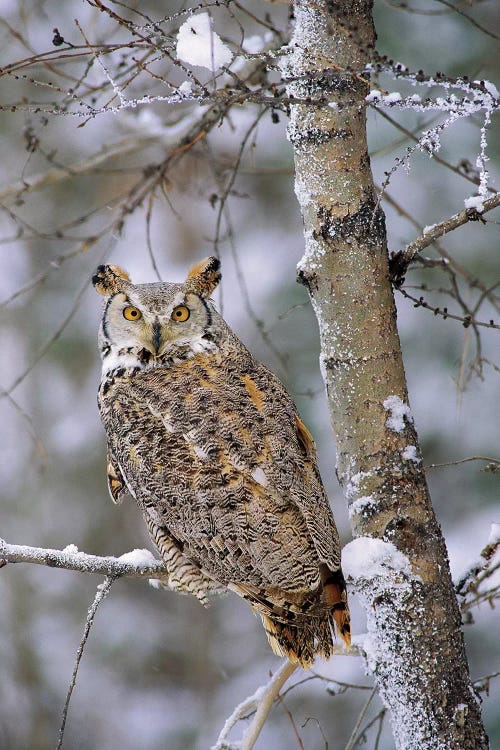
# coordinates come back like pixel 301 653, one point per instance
pixel 210 445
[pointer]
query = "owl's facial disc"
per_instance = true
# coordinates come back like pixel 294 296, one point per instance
pixel 156 325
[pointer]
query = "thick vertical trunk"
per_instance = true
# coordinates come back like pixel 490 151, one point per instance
pixel 416 645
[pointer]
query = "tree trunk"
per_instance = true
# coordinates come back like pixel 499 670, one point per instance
pixel 416 647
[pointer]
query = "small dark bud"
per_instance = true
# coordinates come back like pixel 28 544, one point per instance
pixel 57 39
pixel 275 117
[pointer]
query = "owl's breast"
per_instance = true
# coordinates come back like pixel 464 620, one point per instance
pixel 212 451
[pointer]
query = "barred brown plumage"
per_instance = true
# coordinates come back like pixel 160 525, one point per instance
pixel 209 443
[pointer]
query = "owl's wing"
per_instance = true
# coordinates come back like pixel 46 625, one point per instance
pixel 116 483
pixel 217 455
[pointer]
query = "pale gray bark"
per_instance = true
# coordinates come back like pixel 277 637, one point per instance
pixel 416 647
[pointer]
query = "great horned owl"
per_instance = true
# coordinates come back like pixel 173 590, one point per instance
pixel 210 445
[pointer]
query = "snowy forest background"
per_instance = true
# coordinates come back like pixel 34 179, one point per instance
pixel 159 671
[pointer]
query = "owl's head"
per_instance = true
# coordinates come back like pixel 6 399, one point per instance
pixel 154 319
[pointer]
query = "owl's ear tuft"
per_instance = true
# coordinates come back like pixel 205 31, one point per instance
pixel 203 277
pixel 110 279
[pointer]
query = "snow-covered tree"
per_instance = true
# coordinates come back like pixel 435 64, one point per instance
pixel 137 118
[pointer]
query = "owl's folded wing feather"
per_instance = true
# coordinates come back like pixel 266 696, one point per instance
pixel 221 459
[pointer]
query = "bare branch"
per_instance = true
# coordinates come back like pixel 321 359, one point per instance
pixel 354 735
pixel 471 20
pixel 494 461
pixel 467 320
pixel 101 593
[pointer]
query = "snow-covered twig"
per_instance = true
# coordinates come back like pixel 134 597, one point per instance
pixel 261 703
pixel 144 565
pixel 400 261
pixel 480 571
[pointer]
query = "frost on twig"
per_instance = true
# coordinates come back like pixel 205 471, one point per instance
pixel 259 704
pixel 471 98
pixel 481 581
pixel 132 564
pixel 400 261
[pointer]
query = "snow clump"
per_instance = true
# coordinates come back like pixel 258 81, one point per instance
pixel 366 558
pixel 71 549
pixel 361 505
pixel 186 88
pixel 398 411
pixel 409 453
pixel 494 537
pixel 198 44
pixel 476 202
pixel 139 557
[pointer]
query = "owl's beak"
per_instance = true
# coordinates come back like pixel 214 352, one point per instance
pixel 156 338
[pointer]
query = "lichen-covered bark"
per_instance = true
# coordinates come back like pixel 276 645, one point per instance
pixel 415 648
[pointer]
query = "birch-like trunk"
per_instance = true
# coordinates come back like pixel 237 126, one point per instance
pixel 416 649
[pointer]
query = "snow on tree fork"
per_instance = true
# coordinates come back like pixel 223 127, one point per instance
pixel 415 647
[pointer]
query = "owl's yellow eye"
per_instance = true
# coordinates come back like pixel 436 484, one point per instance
pixel 132 313
pixel 180 313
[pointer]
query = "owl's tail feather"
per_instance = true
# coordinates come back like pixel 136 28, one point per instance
pixel 335 596
pixel 310 636
pixel 299 643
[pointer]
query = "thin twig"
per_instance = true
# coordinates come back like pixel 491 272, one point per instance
pixel 436 157
pixel 50 342
pixel 404 257
pixel 101 593
pixel 469 18
pixel 353 737
pixel 466 320
pixel 381 717
pixel 292 721
pixel 463 461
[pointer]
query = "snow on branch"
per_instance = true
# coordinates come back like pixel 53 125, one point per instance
pixel 379 572
pixel 400 261
pixel 474 98
pixel 136 564
pixel 481 581
pixel 260 703
pixel 198 44
pixel 366 558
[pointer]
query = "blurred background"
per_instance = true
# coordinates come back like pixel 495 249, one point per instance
pixel 159 671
